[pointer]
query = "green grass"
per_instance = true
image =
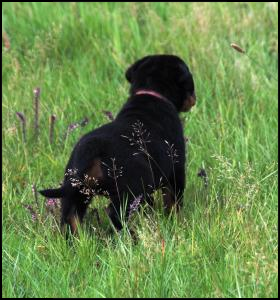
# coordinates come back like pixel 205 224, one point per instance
pixel 224 243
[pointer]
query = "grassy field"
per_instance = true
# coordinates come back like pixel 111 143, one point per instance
pixel 225 241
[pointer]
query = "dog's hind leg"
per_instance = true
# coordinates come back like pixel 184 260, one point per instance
pixel 173 192
pixel 114 213
pixel 179 186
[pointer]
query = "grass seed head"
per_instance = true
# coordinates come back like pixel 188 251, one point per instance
pixel 237 48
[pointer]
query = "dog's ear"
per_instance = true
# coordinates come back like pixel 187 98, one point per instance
pixel 129 74
pixel 52 193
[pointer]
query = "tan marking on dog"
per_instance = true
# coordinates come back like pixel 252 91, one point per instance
pixel 73 221
pixel 95 170
pixel 189 103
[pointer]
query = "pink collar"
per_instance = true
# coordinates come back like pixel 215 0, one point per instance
pixel 152 93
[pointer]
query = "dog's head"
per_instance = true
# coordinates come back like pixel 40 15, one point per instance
pixel 164 74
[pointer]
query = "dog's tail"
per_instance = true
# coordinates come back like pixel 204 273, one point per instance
pixel 53 193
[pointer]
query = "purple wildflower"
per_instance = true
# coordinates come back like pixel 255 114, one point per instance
pixel 37 93
pixel 52 120
pixel 22 119
pixel 75 125
pixel 72 127
pixel 52 202
pixel 52 206
pixel 35 193
pixel 34 215
pixel 84 122
pixel 202 173
pixel 109 114
pixel 134 205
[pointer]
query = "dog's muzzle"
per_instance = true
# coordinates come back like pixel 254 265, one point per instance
pixel 189 102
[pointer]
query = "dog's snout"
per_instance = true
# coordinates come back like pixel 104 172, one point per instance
pixel 193 99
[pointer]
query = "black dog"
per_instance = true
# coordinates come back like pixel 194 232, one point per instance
pixel 142 150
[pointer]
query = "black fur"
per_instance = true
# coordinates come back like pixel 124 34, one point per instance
pixel 144 160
